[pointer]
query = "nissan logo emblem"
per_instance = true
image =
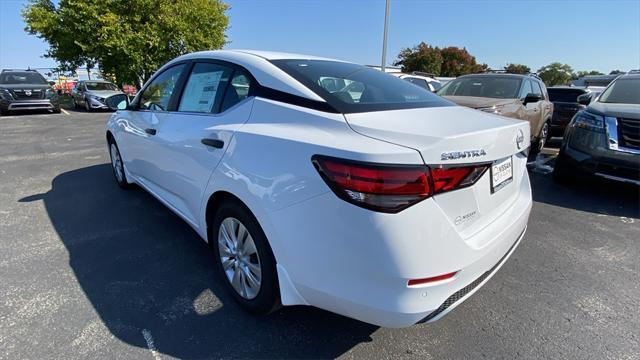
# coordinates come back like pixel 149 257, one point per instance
pixel 519 139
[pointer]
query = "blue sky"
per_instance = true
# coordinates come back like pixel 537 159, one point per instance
pixel 588 35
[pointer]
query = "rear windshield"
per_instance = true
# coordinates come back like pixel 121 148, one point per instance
pixel 95 85
pixel 498 87
pixel 26 77
pixel 351 88
pixel 564 95
pixel 622 91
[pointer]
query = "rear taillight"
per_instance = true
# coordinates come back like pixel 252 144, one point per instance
pixel 391 188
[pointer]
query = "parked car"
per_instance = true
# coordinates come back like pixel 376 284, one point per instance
pixel 604 139
pixel 517 96
pixel 26 90
pixel 565 106
pixel 390 206
pixel 424 80
pixel 91 94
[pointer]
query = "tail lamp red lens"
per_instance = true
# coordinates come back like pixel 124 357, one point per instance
pixel 391 188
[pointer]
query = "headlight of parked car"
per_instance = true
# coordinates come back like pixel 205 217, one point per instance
pixel 5 94
pixel 589 121
pixel 495 109
pixel 97 98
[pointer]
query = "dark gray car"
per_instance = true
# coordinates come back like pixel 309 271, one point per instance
pixel 91 94
pixel 604 139
pixel 26 90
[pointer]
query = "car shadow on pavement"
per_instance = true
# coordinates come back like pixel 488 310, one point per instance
pixel 149 276
pixel 588 194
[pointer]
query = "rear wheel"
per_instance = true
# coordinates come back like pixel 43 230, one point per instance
pixel 244 258
pixel 541 140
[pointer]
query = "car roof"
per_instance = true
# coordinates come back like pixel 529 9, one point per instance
pixel 493 74
pixel 258 63
pixel 633 76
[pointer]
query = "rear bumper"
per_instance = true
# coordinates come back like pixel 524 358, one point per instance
pixel 588 151
pixel 357 263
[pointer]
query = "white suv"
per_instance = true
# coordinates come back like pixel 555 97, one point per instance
pixel 326 183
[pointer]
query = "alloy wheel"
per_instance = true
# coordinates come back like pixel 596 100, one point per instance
pixel 239 258
pixel 116 162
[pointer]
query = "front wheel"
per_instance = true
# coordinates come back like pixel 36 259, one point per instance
pixel 244 258
pixel 87 107
pixel 563 172
pixel 118 165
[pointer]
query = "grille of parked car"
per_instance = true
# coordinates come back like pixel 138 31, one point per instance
pixel 629 132
pixel 25 94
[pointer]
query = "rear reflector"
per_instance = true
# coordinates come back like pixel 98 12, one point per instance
pixel 391 188
pixel 413 282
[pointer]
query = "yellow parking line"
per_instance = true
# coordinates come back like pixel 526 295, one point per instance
pixel 64 111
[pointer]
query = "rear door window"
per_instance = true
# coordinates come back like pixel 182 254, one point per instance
pixel 238 90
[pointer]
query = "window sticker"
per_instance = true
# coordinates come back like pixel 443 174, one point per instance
pixel 200 92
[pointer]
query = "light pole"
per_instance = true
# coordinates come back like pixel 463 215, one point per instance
pixel 384 37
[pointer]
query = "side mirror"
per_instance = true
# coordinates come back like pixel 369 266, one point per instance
pixel 584 99
pixel 532 98
pixel 117 102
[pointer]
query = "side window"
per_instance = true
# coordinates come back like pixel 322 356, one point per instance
pixel 205 88
pixel 536 88
pixel 526 89
pixel 238 90
pixel 157 95
pixel 420 82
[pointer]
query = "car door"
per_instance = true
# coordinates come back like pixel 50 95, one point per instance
pixel 540 109
pixel 530 111
pixel 139 125
pixel 191 140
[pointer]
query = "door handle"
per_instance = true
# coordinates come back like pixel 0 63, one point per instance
pixel 150 131
pixel 218 144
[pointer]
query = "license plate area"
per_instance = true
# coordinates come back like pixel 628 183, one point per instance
pixel 501 173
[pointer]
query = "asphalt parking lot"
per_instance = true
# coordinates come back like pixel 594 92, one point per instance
pixel 90 271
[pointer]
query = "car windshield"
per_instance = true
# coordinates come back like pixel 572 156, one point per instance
pixel 622 91
pixel 564 95
pixel 351 88
pixel 483 86
pixel 23 77
pixel 100 86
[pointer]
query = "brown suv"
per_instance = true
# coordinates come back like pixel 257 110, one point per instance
pixel 516 96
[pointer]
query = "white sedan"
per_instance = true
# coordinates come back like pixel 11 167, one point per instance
pixel 326 183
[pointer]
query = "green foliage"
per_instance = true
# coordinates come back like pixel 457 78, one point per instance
pixel 456 62
pixel 517 69
pixel 421 57
pixel 449 61
pixel 581 74
pixel 556 74
pixel 616 72
pixel 128 39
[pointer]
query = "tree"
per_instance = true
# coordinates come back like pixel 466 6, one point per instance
pixel 456 62
pixel 517 69
pixel 129 40
pixel 421 57
pixel 616 72
pixel 556 74
pixel 581 74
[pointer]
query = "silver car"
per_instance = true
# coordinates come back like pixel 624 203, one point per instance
pixel 91 94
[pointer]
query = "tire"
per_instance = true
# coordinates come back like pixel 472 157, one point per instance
pixel 87 107
pixel 540 141
pixel 118 165
pixel 75 104
pixel 563 172
pixel 57 110
pixel 240 261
